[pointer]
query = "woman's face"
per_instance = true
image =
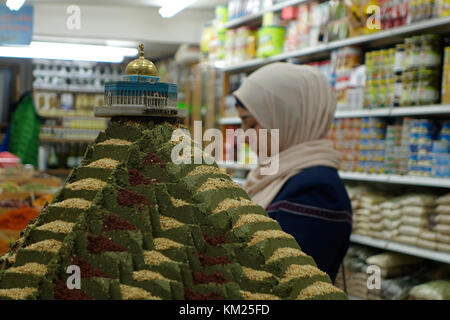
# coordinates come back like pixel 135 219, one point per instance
pixel 249 122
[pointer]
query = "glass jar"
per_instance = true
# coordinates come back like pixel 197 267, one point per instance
pixel 399 58
pixel 428 87
pixel 406 83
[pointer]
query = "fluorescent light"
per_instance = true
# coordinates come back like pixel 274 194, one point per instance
pixel 173 7
pixel 68 51
pixel 14 4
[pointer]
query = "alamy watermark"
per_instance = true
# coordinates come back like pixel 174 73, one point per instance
pixel 190 150
pixel 73 21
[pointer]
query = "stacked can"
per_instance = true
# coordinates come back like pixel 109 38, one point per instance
pixel 393 145
pixel 421 147
pixel 441 152
pixel 372 145
pixel 421 70
pixel 379 90
pixel 345 134
pixel 446 77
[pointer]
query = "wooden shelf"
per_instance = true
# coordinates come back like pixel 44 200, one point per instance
pixel 401 248
pixel 61 140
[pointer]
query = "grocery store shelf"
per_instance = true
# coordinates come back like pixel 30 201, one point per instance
pixel 243 20
pixel 397 179
pixel 239 181
pixel 401 248
pixel 63 140
pixel 230 121
pixel 60 115
pixel 236 165
pixel 71 90
pixel 390 34
pixel 379 112
pixel 421 110
pixel 436 109
pixel 58 172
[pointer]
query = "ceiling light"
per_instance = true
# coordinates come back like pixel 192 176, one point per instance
pixel 14 4
pixel 173 7
pixel 68 51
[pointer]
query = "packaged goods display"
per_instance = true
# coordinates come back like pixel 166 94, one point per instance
pixel 417 219
pixel 143 225
pixel 403 277
pixel 417 147
pixel 310 24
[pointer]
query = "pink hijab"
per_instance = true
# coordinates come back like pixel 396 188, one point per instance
pixel 299 101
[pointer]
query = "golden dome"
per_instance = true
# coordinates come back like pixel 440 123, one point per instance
pixel 141 66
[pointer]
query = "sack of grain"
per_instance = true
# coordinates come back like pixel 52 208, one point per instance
pixel 443 209
pixel 410 230
pixel 391 214
pixel 414 221
pixel 392 224
pixel 427 244
pixel 434 290
pixel 442 228
pixel 392 259
pixel 411 240
pixel 416 211
pixel 418 200
pixel 445 199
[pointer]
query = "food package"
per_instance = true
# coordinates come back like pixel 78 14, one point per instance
pixel 392 259
pixel 270 41
pixel 434 290
pixel 358 19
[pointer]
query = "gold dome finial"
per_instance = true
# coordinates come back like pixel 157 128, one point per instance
pixel 141 66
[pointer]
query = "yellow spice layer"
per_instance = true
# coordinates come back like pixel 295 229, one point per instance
pixel 147 275
pixel 256 275
pixel 155 258
pixel 216 184
pixel 105 163
pixel 301 271
pixel 164 244
pixel 168 223
pixel 30 268
pixel 258 296
pixel 74 203
pixel 259 236
pixel 204 170
pixel 134 293
pixel 251 218
pixel 317 289
pixel 57 226
pixel 233 204
pixel 115 142
pixel 17 293
pixel 86 184
pixel 281 253
pixel 45 246
pixel 178 202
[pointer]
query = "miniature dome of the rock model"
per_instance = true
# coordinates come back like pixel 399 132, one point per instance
pixel 141 66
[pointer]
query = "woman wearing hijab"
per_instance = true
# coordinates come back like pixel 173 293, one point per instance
pixel 306 195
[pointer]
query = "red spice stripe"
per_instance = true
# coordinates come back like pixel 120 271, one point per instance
pixel 61 292
pixel 215 241
pixel 211 261
pixel 203 278
pixel 152 158
pixel 87 270
pixel 192 295
pixel 136 178
pixel 101 244
pixel 114 222
pixel 130 198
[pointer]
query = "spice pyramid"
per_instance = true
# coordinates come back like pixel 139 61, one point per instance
pixel 139 226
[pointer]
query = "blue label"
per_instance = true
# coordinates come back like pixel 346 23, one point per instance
pixel 16 27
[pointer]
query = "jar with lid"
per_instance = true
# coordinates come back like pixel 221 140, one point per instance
pixel 430 53
pixel 381 93
pixel 389 100
pixel 399 58
pixel 415 52
pixel 398 85
pixel 413 87
pixel 428 87
pixel 406 84
pixel 408 54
